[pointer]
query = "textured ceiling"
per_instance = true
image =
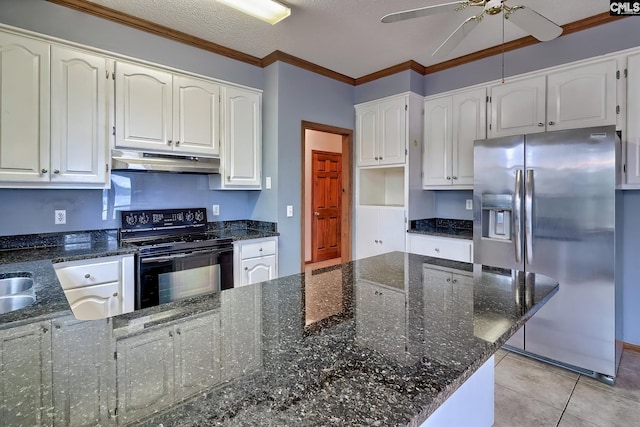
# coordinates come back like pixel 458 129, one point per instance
pixel 346 36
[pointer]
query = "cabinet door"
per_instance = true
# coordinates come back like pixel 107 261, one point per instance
pixel 392 141
pixel 518 107
pixel 242 166
pixel 633 121
pixel 95 302
pixel 367 135
pixel 440 247
pixel 25 375
pixel 196 116
pixel 241 331
pixel 256 270
pixel 197 355
pixel 145 373
pixel 438 139
pixel 391 230
pixel 24 109
pixel 584 96
pixel 78 116
pixel 367 231
pixel 82 372
pixel 469 124
pixel 143 107
pixel 368 314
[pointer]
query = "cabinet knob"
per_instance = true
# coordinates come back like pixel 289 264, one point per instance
pixel 169 142
pixel 57 326
pixel 56 171
pixel 45 330
pixel 177 143
pixel 376 241
pixel 43 171
pixel 437 250
pixel 552 123
pixel 540 124
pixel 455 281
pixel 380 241
pixel 246 268
pixel 448 280
pixel 449 178
pixel 170 333
pixel 87 275
pixel 115 294
pixel 179 331
pixel 455 177
pixel 376 158
pixel 380 158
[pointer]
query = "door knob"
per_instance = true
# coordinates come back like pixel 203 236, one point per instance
pixel 316 213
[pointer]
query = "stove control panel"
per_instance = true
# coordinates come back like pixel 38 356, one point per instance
pixel 164 218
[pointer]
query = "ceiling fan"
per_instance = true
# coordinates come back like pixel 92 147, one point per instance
pixel 524 17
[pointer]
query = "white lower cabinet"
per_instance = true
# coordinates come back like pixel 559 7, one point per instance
pixel 160 367
pixel 255 260
pixel 25 375
pixel 379 229
pixel 98 288
pixel 440 247
pixel 83 373
pixel 241 331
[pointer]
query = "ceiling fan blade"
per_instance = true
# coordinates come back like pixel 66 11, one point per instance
pixel 456 37
pixel 533 23
pixel 424 11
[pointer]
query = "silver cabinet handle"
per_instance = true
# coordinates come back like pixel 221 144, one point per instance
pixel 115 294
pixel 177 143
pixel 517 211
pixel 260 250
pixel 246 268
pixel 540 124
pixel 56 171
pixel 551 123
pixel 455 177
pixel 449 178
pixel 43 171
pixel 169 142
pixel 528 214
pixel 87 275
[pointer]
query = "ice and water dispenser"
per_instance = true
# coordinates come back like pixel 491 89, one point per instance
pixel 497 216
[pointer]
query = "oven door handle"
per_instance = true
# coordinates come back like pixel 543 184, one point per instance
pixel 183 255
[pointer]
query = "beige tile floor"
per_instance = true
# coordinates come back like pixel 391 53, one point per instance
pixel 532 393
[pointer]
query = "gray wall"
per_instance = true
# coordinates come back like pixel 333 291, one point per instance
pixel 404 81
pixel 452 204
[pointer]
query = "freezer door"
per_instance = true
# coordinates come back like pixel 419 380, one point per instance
pixel 498 192
pixel 569 233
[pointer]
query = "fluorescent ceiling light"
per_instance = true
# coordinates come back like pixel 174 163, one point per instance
pixel 267 10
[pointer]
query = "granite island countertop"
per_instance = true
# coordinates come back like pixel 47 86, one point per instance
pixel 379 341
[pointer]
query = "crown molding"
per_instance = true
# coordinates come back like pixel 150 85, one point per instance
pixel 163 31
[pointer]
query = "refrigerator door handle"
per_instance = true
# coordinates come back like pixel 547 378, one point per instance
pixel 517 210
pixel 528 215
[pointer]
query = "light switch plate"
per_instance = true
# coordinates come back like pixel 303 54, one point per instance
pixel 289 210
pixel 267 182
pixel 469 204
pixel 60 216
pixel 216 210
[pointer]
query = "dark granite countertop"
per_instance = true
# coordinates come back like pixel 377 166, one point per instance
pixel 35 255
pixel 454 228
pixel 379 341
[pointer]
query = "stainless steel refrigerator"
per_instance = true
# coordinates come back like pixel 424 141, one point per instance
pixel 546 203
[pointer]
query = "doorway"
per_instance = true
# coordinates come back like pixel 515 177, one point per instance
pixel 326 195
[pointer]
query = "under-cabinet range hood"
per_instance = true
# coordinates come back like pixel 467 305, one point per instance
pixel 141 161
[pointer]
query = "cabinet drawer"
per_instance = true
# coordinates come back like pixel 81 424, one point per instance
pixel 258 249
pixel 440 247
pixel 75 274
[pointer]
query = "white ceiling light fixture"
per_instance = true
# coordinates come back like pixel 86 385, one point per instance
pixel 269 11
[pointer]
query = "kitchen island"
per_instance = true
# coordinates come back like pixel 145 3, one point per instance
pixel 383 341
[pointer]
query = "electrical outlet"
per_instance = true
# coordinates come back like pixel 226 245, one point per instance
pixel 469 204
pixel 289 210
pixel 60 216
pixel 216 210
pixel 267 182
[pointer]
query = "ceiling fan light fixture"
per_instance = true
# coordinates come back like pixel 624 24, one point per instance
pixel 269 11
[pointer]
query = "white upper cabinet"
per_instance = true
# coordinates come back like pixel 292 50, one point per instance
pixel 143 107
pixel 518 107
pixel 241 165
pixel 381 132
pixel 451 124
pixel 632 137
pixel 580 96
pixel 24 109
pixel 79 116
pixel 196 116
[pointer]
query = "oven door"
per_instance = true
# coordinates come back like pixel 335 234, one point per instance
pixel 170 277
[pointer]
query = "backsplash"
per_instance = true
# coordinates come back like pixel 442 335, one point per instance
pixel 31 211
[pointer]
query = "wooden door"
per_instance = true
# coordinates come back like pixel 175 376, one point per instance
pixel 326 205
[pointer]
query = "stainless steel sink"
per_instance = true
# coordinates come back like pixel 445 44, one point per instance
pixel 15 285
pixel 15 302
